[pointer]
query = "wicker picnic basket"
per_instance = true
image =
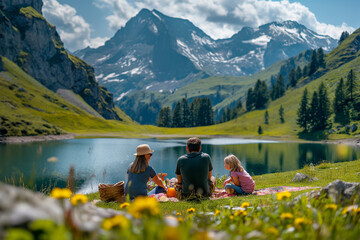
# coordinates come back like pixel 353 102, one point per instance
pixel 112 192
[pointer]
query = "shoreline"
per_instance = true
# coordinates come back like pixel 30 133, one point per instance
pixel 29 139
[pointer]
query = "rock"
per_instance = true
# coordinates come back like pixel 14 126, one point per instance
pixel 313 179
pixel 35 46
pixel 353 128
pixel 340 191
pixel 19 206
pixel 299 177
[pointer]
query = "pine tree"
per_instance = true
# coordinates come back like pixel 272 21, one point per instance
pixel 281 114
pixel 177 120
pixel 164 117
pixel 351 86
pixel 260 131
pixel 194 108
pixel 278 89
pixel 313 112
pixel 313 65
pixel 323 108
pixel 187 116
pixel 292 78
pixel 339 105
pixel 303 112
pixel 320 58
pixel 250 103
pixel 343 36
pixel 261 94
pixel 207 112
pixel 266 116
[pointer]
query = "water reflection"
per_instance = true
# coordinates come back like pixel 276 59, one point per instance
pixel 106 160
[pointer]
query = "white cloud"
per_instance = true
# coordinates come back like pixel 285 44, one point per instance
pixel 223 18
pixel 96 42
pixel 74 31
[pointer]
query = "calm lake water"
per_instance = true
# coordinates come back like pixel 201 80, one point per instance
pixel 104 160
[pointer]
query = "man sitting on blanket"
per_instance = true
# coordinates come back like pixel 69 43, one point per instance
pixel 194 170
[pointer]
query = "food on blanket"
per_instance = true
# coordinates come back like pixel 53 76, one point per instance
pixel 171 192
pixel 230 191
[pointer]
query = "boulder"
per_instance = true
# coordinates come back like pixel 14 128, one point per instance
pixel 340 191
pixel 19 206
pixel 299 177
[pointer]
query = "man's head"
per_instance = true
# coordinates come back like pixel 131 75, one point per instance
pixel 193 144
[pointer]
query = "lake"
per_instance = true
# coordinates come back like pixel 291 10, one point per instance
pixel 105 160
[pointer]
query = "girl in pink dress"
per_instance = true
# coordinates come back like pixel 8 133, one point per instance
pixel 240 182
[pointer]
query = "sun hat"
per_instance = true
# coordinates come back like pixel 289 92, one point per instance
pixel 143 149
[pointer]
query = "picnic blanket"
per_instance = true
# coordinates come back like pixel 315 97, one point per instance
pixel 221 193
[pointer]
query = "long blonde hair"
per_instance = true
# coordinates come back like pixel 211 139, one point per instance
pixel 139 164
pixel 234 163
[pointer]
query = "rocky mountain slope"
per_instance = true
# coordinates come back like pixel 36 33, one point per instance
pixel 27 39
pixel 160 53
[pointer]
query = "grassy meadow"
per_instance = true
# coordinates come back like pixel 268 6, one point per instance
pixel 286 215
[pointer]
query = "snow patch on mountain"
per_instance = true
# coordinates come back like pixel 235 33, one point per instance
pixel 153 12
pixel 123 95
pixel 261 41
pixel 188 53
pixel 103 59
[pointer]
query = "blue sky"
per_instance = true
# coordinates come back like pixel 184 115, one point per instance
pixel 83 23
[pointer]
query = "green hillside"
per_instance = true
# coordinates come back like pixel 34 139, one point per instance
pixel 338 66
pixel 29 108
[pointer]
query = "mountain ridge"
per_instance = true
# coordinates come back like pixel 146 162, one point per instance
pixel 129 62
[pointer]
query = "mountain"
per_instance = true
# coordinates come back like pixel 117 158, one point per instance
pixel 339 62
pixel 28 40
pixel 160 53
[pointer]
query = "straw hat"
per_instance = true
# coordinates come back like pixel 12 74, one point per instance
pixel 143 149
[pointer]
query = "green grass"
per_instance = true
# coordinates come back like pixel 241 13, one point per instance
pixel 325 172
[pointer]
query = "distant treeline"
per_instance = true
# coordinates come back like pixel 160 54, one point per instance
pixel 315 115
pixel 198 113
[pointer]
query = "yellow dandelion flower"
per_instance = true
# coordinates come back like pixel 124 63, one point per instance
pixel 286 215
pixel 283 195
pixel 299 222
pixel 61 193
pixel 273 231
pixel 330 206
pixel 119 221
pixel 107 224
pixel 190 210
pixel 124 205
pixel 231 217
pixel 245 204
pixel 178 214
pixel 78 198
pixel 217 212
pixel 144 206
pixel 240 213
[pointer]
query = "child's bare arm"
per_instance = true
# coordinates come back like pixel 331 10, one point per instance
pixel 235 180
pixel 157 180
